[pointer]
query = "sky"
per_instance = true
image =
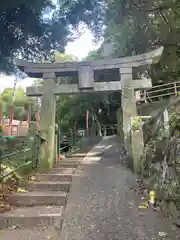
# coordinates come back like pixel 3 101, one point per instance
pixel 79 48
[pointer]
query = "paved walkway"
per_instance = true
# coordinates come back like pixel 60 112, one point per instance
pixel 101 205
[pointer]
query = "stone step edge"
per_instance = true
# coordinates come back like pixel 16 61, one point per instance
pixel 37 193
pixel 49 182
pixel 52 177
pixel 30 221
pixel 36 198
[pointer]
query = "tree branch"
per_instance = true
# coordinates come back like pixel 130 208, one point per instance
pixel 159 8
pixel 167 23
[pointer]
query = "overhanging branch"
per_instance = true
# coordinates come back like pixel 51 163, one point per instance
pixel 159 8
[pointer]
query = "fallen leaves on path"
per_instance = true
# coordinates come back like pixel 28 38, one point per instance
pixel 22 190
pixel 142 207
pixel 49 237
pixel 162 234
pixel 33 178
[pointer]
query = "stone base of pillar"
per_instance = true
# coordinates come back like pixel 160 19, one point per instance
pixel 47 151
pixel 119 122
pixel 44 164
pixel 137 144
pixel 134 145
pixel 128 149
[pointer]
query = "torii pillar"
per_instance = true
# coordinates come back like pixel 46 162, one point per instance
pixel 47 120
pixel 86 83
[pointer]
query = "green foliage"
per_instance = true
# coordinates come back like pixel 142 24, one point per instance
pixel 35 29
pixel 94 55
pixel 144 26
pixel 135 27
pixel 18 156
pixel 131 27
pixel 171 189
pixel 59 57
pixel 21 104
pixel 174 123
pixel 136 124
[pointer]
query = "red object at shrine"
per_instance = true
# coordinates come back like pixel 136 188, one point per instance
pixel 11 117
pixel 29 114
pixel 87 120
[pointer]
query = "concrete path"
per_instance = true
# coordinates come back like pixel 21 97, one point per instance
pixel 101 205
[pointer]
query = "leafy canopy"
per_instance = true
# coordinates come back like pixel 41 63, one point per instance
pixel 34 29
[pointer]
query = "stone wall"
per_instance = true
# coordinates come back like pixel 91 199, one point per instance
pixel 160 163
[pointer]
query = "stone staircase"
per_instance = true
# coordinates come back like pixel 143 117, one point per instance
pixel 38 212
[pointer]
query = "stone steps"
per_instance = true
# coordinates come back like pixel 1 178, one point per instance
pixel 37 198
pixel 30 217
pixel 38 233
pixel 67 165
pixel 59 170
pixel 49 186
pixel 38 212
pixel 62 177
pixel 70 163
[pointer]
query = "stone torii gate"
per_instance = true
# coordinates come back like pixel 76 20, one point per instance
pixel 86 83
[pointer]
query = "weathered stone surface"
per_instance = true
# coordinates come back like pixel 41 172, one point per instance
pixel 134 61
pixel 128 111
pixel 49 186
pixel 47 123
pixel 86 79
pixel 67 164
pixel 119 122
pixel 137 149
pixel 54 177
pixel 65 170
pixel 32 217
pixel 97 87
pixel 38 198
pixel 37 233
